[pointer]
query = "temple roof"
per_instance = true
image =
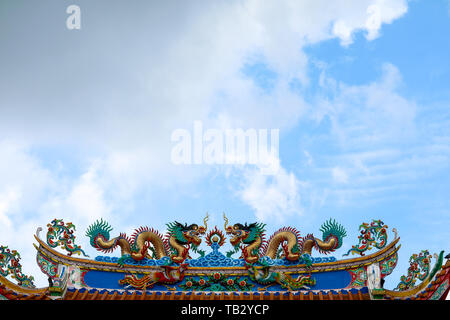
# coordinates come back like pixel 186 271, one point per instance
pixel 282 267
pixel 12 291
pixel 97 294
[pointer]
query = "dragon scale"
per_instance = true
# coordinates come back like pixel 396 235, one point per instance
pixel 287 238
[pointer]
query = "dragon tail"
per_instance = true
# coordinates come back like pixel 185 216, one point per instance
pixel 99 236
pixel 331 230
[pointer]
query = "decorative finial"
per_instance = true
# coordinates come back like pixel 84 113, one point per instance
pixel 202 229
pixel 226 220
pixel 38 231
pixel 205 220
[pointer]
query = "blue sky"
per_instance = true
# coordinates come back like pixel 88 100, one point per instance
pixel 359 91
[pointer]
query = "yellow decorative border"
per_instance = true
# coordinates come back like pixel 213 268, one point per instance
pixel 407 293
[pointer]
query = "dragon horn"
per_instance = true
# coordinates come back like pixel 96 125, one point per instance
pixel 226 220
pixel 205 220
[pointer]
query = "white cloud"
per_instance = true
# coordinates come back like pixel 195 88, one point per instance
pixel 83 200
pixel 7 200
pixel 114 95
pixel 176 79
pixel 383 11
pixel 23 180
pixel 378 12
pixel 124 110
pixel 373 114
pixel 271 196
pixel 380 142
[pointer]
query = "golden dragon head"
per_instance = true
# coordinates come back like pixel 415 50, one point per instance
pixel 193 232
pixel 240 232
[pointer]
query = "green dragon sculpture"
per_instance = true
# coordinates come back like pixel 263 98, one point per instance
pixel 10 265
pixel 62 234
pixel 284 243
pixel 372 235
pixel 176 244
pixel 263 275
pixel 419 268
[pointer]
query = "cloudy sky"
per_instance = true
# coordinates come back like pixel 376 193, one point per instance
pixel 359 91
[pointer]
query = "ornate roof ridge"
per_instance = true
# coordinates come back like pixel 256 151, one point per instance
pixel 92 264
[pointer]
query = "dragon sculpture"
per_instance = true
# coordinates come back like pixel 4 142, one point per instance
pixel 266 277
pixel 62 234
pixel 284 243
pixel 170 275
pixel 419 268
pixel 10 265
pixel 371 235
pixel 175 244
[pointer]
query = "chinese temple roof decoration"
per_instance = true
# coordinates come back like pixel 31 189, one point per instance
pixel 61 234
pixel 215 236
pixel 372 235
pixel 175 244
pixel 419 268
pixel 435 284
pixel 179 265
pixel 10 265
pixel 285 243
